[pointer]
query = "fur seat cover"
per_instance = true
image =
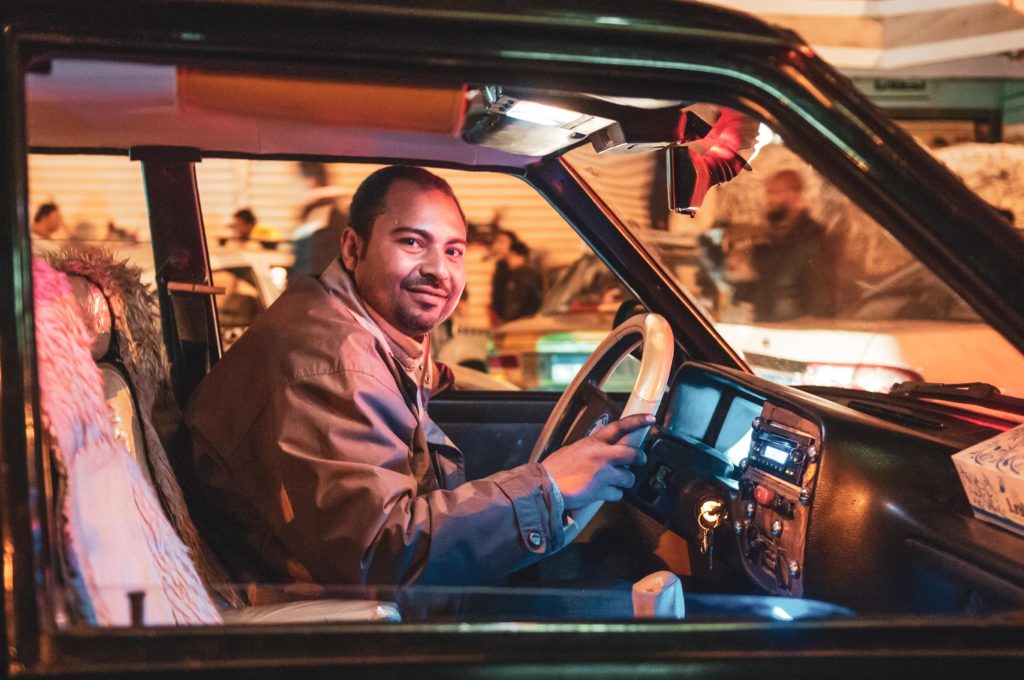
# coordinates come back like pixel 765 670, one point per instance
pixel 115 535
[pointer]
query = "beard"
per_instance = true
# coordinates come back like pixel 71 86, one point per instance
pixel 423 320
pixel 417 323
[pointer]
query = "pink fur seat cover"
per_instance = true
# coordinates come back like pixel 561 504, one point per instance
pixel 116 539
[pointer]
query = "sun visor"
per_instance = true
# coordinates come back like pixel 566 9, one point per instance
pixel 392 108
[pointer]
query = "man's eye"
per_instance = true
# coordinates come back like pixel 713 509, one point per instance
pixel 409 241
pixel 455 252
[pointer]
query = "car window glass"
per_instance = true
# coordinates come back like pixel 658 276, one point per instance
pixel 272 216
pixel 562 280
pixel 818 294
pixel 90 201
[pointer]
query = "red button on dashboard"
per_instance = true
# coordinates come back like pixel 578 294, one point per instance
pixel 763 495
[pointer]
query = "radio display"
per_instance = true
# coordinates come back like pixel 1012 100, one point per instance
pixel 777 455
pixel 781 454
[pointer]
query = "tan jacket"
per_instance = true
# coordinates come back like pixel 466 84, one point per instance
pixel 310 445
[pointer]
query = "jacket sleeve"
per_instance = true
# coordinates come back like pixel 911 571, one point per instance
pixel 333 456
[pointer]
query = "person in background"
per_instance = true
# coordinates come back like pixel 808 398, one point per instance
pixel 791 279
pixel 48 222
pixel 521 293
pixel 315 240
pixel 500 248
pixel 711 267
pixel 249 235
pixel 242 224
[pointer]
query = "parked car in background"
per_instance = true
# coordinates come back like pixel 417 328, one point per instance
pixel 252 280
pixel 884 337
pixel 546 350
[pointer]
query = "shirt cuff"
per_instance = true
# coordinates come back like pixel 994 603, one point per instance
pixel 558 503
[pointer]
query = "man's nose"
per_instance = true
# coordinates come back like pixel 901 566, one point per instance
pixel 435 265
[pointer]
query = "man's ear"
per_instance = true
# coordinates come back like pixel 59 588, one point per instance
pixel 351 248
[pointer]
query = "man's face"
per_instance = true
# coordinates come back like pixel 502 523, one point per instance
pixel 781 200
pixel 50 224
pixel 241 228
pixel 411 271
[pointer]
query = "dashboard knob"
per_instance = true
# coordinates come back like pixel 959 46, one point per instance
pixel 756 423
pixel 794 568
pixel 777 528
pixel 744 464
pixel 749 509
pixel 805 496
pixel 812 453
pixel 738 528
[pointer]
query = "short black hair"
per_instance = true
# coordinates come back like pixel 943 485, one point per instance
pixel 44 211
pixel 368 201
pixel 246 215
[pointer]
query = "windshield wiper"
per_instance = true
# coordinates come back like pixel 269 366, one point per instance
pixel 982 394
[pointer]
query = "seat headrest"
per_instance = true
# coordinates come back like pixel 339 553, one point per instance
pixel 95 314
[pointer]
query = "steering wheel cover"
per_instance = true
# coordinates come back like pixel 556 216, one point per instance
pixel 649 330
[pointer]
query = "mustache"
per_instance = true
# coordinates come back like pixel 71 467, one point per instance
pixel 428 282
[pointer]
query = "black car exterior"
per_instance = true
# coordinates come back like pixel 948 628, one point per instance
pixel 725 57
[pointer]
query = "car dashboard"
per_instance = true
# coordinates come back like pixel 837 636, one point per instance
pixel 802 496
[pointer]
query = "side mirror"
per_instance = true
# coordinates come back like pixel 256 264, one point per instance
pixel 692 170
pixel 686 185
pixel 690 176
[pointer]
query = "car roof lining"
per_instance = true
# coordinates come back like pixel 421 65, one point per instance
pixel 107 105
pixel 95 105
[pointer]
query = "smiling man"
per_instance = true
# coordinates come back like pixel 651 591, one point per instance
pixel 316 456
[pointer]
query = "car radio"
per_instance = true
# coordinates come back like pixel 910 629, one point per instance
pixel 779 451
pixel 776 491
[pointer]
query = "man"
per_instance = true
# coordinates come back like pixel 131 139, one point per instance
pixel 242 224
pixel 522 287
pixel 48 222
pixel 315 240
pixel 501 246
pixel 791 279
pixel 312 437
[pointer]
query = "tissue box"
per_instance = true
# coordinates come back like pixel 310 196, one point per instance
pixel 992 474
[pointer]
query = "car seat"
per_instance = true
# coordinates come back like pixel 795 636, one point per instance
pixel 99 326
pixel 105 508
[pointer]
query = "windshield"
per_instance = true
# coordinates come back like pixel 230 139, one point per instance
pixel 803 283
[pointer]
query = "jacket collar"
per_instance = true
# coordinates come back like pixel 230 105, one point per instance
pixel 410 354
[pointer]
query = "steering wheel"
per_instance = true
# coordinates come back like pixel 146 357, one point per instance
pixel 584 406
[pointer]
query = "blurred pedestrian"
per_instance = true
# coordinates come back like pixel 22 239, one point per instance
pixel 501 246
pixel 792 268
pixel 315 241
pixel 521 290
pixel 48 222
pixel 242 224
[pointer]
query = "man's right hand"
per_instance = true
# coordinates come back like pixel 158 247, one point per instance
pixel 595 468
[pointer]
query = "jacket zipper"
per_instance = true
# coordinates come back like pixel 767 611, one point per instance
pixel 436 464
